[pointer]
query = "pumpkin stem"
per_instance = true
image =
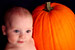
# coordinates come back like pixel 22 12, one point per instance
pixel 48 7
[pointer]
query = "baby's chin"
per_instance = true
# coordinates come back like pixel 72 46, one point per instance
pixel 19 45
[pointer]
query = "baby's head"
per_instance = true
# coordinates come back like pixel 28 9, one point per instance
pixel 18 25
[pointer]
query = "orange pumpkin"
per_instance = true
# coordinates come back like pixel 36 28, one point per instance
pixel 54 29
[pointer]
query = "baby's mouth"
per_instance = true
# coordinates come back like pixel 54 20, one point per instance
pixel 20 41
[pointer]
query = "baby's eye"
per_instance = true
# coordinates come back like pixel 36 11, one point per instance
pixel 28 31
pixel 16 31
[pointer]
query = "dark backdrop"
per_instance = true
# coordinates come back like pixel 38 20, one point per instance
pixel 30 5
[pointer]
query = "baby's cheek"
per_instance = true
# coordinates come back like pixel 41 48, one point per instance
pixel 29 36
pixel 12 39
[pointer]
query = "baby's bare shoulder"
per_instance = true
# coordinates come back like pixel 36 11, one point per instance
pixel 30 45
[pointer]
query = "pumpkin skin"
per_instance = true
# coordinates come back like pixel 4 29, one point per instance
pixel 54 30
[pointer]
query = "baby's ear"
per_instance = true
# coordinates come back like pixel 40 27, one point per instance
pixel 4 29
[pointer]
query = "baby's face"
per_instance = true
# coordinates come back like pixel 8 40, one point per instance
pixel 19 29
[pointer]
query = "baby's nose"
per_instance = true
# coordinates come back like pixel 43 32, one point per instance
pixel 22 36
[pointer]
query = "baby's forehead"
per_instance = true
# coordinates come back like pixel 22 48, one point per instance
pixel 18 20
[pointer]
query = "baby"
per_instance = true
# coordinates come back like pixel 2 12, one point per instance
pixel 18 29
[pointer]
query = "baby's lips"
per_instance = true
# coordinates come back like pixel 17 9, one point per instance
pixel 20 41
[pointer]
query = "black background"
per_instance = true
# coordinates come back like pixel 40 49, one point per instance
pixel 30 5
